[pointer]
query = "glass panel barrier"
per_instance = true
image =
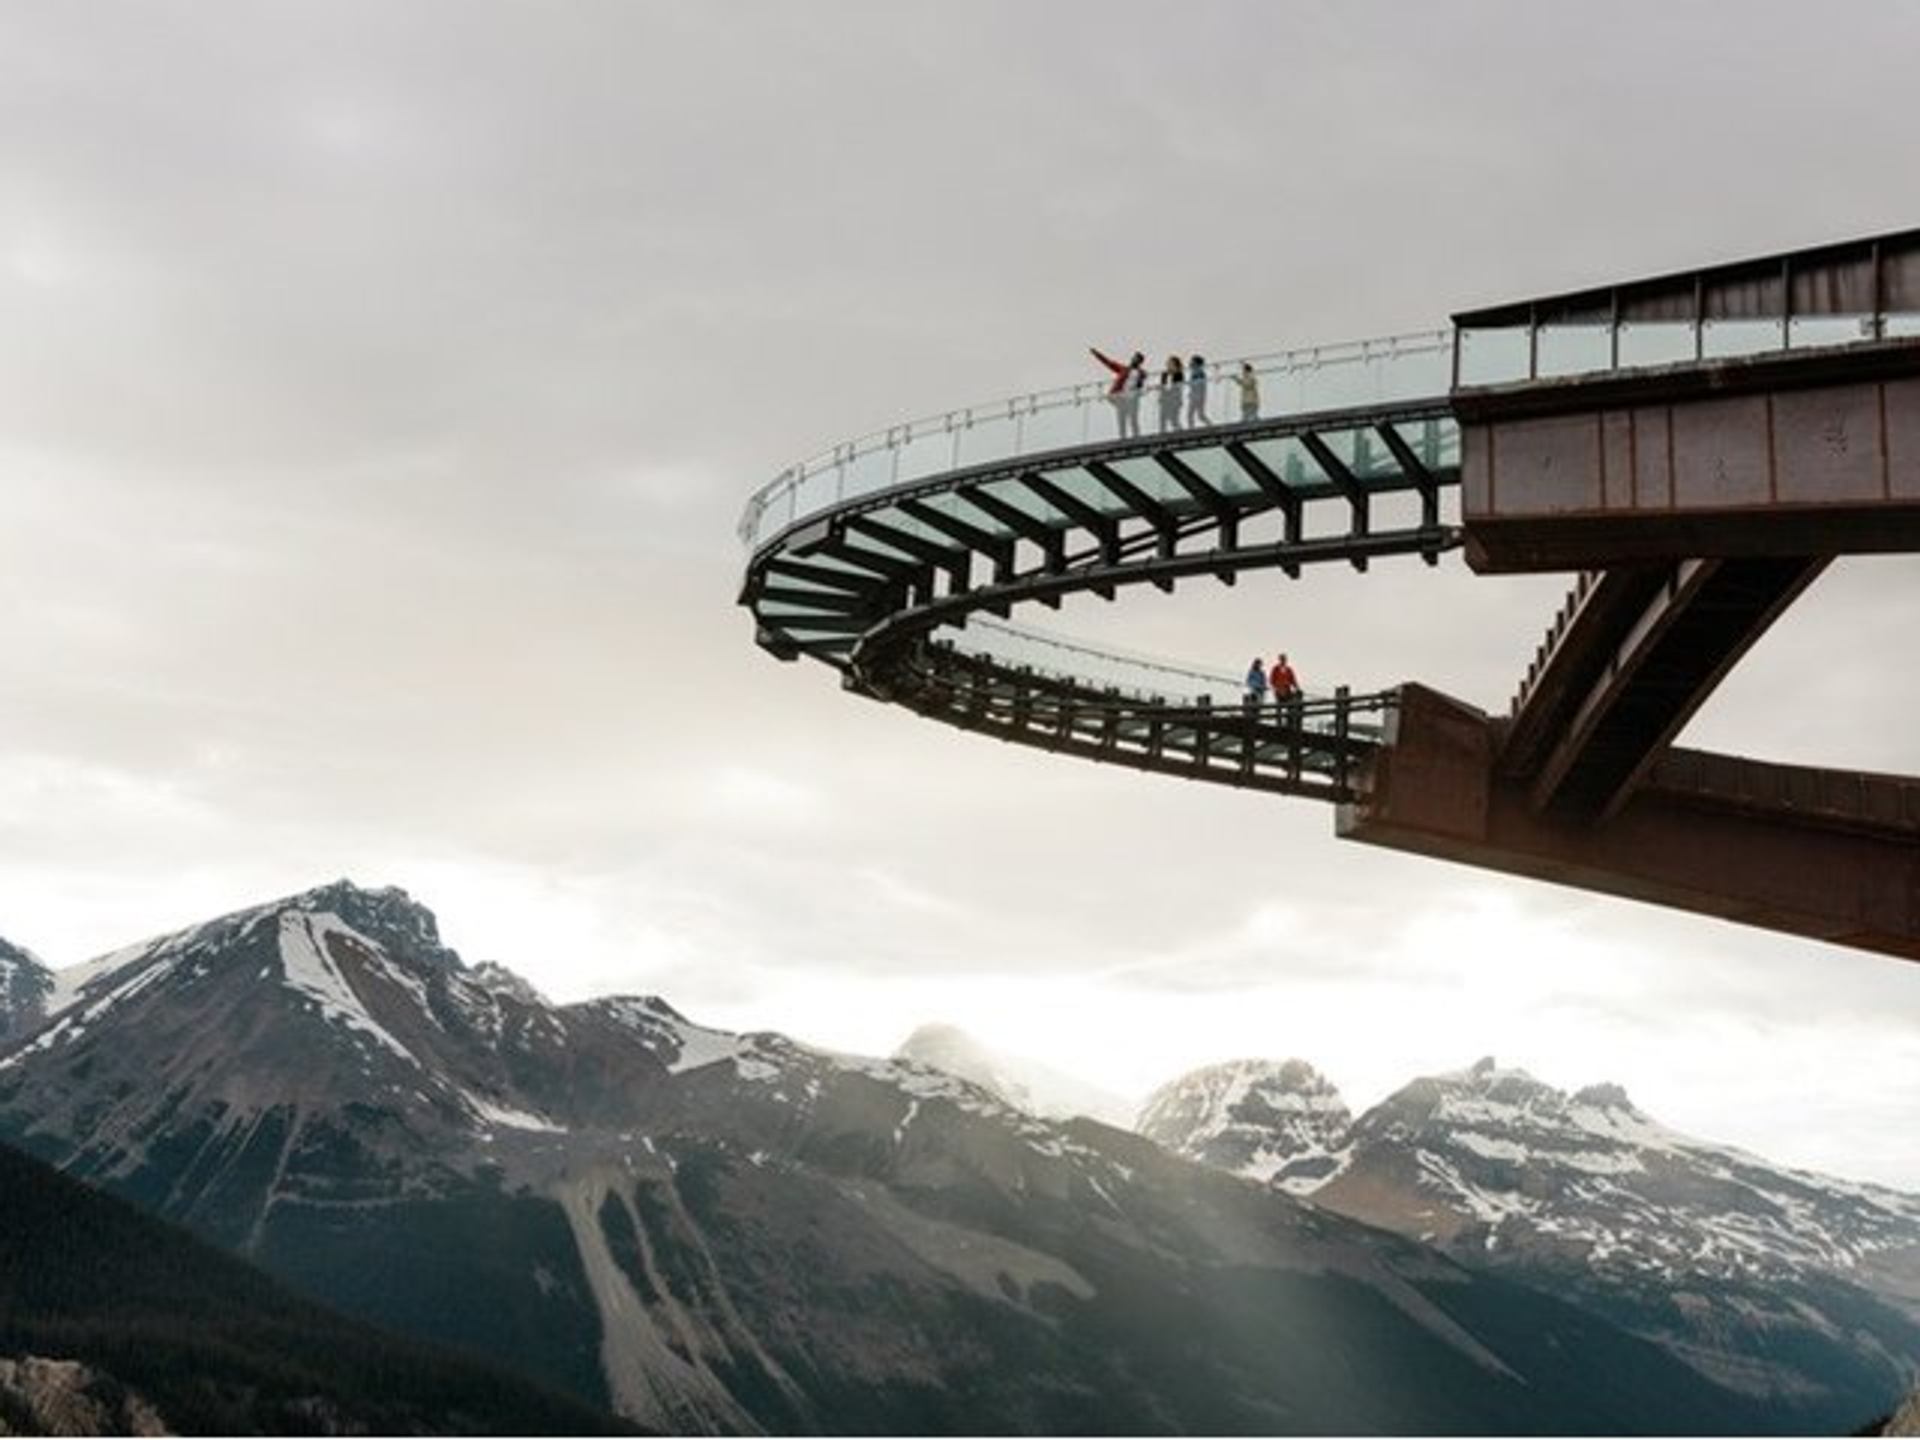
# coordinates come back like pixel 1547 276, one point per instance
pixel 1493 357
pixel 1656 342
pixel 982 438
pixel 1294 382
pixel 1575 349
pixel 926 448
pixel 1810 331
pixel 1727 339
pixel 1065 421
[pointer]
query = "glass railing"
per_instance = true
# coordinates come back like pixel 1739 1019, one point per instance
pixel 1295 382
pixel 1510 354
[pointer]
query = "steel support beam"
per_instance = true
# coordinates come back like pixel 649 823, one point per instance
pixel 1635 698
pixel 1283 495
pixel 1343 480
pixel 1795 455
pixel 1831 855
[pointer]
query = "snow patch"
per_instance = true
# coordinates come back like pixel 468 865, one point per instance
pixel 309 969
pixel 496 1114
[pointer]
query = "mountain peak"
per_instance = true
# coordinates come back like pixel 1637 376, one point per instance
pixel 1607 1096
pixel 1025 1084
pixel 1277 1120
pixel 491 975
pixel 383 913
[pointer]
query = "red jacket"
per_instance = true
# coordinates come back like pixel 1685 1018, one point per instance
pixel 1283 680
pixel 1121 371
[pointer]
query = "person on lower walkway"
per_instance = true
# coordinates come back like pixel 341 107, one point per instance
pixel 1129 379
pixel 1256 682
pixel 1283 682
pixel 1173 380
pixel 1197 392
pixel 1249 392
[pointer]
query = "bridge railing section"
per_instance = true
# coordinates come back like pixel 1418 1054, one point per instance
pixel 1126 675
pixel 1293 382
pixel 1859 292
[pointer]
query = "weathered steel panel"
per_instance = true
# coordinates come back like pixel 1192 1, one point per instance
pixel 1827 444
pixel 1819 867
pixel 1548 466
pixel 1720 453
pixel 1841 286
pixel 1900 278
pixel 1653 457
pixel 1756 294
pixel 1902 400
pixel 1476 468
pixel 1616 460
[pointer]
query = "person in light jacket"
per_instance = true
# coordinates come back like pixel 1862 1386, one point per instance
pixel 1197 392
pixel 1256 682
pixel 1249 392
pixel 1173 380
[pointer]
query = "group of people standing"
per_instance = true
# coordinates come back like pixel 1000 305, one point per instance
pixel 1182 388
pixel 1280 682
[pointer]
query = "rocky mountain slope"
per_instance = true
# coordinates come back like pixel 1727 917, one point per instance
pixel 1795 1287
pixel 1023 1083
pixel 25 985
pixel 43 1396
pixel 114 1323
pixel 719 1232
pixel 1905 1420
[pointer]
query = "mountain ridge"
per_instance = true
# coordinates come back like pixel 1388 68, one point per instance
pixel 710 1231
pixel 1714 1252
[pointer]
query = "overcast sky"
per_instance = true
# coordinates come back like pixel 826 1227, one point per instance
pixel 380 384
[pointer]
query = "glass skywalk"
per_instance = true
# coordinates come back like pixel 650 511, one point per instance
pixel 884 555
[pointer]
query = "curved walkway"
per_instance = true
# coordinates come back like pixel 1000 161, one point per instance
pixel 882 556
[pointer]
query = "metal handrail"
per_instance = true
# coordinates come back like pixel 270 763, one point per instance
pixel 1267 367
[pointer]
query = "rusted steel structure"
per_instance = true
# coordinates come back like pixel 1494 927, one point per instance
pixel 1697 446
pixel 1768 407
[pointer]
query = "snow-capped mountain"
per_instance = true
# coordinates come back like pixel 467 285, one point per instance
pixel 1760 1276
pixel 1024 1083
pixel 1283 1122
pixel 25 984
pixel 1499 1159
pixel 720 1232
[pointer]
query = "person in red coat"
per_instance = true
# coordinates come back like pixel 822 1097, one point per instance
pixel 1283 682
pixel 1124 393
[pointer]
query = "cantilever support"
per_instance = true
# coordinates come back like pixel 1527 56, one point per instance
pixel 1832 855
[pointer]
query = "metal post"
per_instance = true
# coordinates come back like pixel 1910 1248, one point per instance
pixel 1786 304
pixel 1879 295
pixel 1342 703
